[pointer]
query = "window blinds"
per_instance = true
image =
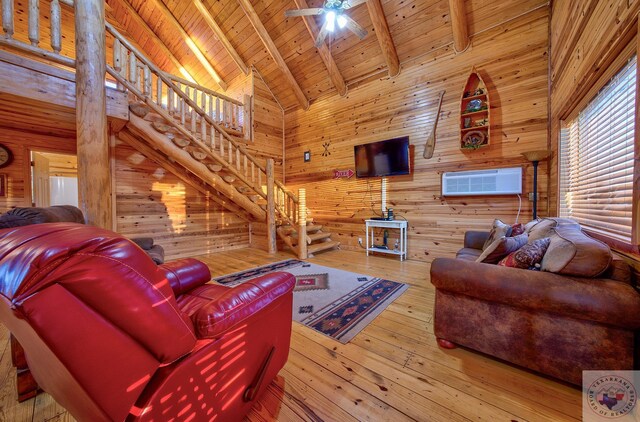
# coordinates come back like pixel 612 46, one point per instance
pixel 596 159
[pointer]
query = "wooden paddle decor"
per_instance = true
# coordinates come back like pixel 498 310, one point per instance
pixel 430 146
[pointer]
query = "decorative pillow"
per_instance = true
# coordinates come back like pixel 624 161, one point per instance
pixel 530 225
pixel 545 227
pixel 499 230
pixel 527 256
pixel 517 229
pixel 502 247
pixel 571 252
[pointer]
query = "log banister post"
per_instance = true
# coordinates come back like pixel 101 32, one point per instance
pixel 7 18
pixel 302 224
pixel 56 27
pixel 94 175
pixel 271 211
pixel 34 22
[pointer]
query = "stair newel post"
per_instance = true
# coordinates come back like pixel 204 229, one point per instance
pixel 246 118
pixel 169 100
pixel 133 69
pixel 271 209
pixel 159 92
pixel 203 122
pixel 302 223
pixel 147 81
pixel 218 110
pixel 94 172
pixel 117 59
pixel 7 18
pixel 34 22
pixel 56 25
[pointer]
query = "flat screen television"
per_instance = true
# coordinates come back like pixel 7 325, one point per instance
pixel 383 158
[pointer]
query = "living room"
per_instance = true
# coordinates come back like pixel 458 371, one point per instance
pixel 229 134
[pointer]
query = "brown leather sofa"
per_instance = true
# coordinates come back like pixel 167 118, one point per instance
pixel 556 324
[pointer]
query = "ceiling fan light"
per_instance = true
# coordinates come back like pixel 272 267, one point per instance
pixel 342 21
pixel 331 21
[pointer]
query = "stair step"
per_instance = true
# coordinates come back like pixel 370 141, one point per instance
pixel 163 127
pixel 229 178
pixel 253 198
pixel 139 109
pixel 214 167
pixel 244 189
pixel 317 236
pixel 318 247
pixel 181 142
pixel 198 154
pixel 313 227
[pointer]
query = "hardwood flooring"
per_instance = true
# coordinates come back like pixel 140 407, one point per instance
pixel 392 371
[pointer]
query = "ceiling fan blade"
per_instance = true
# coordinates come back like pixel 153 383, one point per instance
pixel 304 12
pixel 322 34
pixel 354 3
pixel 355 28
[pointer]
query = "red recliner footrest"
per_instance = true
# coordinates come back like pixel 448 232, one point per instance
pixel 240 302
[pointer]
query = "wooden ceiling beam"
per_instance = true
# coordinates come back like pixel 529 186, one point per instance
pixel 221 36
pixel 379 20
pixel 137 19
pixel 459 25
pixel 323 50
pixel 250 13
pixel 164 10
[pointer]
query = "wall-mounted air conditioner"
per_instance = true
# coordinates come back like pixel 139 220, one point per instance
pixel 507 181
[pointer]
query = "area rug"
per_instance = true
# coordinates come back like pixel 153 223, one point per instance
pixel 334 302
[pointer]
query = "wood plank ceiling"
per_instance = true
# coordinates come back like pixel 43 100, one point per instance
pixel 416 27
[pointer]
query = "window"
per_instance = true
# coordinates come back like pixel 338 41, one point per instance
pixel 596 159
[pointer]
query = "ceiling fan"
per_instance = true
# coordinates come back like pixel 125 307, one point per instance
pixel 334 11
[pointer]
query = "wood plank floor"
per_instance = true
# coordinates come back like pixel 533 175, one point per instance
pixel 392 371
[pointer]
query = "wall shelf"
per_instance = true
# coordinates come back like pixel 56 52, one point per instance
pixel 475 112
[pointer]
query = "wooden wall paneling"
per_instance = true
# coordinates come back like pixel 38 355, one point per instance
pixel 585 38
pixel 512 59
pixel 151 201
pixel 18 172
pixel 268 131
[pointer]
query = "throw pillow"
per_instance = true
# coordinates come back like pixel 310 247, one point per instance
pixel 499 230
pixel 527 256
pixel 517 229
pixel 502 247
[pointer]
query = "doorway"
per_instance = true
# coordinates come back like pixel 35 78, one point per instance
pixel 54 179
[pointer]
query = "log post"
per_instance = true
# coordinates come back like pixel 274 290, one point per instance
pixel 247 124
pixel 94 176
pixel 302 224
pixel 271 209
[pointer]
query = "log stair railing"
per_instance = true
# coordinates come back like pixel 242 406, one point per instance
pixel 203 130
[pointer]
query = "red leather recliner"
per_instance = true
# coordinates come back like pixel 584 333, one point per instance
pixel 112 336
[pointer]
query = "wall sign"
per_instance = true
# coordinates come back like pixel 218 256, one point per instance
pixel 339 174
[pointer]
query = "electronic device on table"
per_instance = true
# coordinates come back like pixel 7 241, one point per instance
pixel 388 217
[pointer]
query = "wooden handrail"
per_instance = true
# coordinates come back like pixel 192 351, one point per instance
pixel 176 89
pixel 202 88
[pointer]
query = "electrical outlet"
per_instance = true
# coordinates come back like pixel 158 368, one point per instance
pixel 360 240
pixel 531 196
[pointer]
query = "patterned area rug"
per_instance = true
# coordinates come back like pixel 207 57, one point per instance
pixel 334 302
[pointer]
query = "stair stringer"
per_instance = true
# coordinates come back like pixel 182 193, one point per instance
pixel 144 130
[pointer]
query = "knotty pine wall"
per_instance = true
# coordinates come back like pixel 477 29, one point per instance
pixel 513 60
pixel 152 202
pixel 18 172
pixel 586 37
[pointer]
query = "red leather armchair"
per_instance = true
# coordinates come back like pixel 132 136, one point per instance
pixel 112 336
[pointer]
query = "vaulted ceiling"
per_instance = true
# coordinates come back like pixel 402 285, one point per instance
pixel 416 27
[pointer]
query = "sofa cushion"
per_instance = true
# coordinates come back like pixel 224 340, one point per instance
pixel 468 254
pixel 571 252
pixel 24 216
pixel 544 227
pixel 499 230
pixel 501 248
pixel 145 243
pixel 528 255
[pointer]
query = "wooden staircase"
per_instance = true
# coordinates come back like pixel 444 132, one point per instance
pixel 205 133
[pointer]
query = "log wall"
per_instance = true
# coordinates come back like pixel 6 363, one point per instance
pixel 151 202
pixel 586 37
pixel 513 60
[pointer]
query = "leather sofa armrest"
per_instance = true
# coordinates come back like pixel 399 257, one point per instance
pixel 475 239
pixel 593 299
pixel 240 302
pixel 185 274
